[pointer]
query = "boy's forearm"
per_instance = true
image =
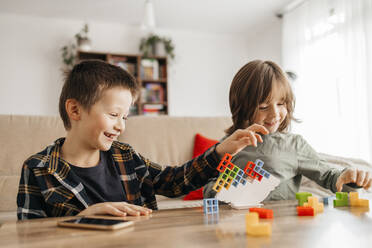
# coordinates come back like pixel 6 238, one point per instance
pixel 177 181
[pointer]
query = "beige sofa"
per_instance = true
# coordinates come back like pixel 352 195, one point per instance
pixel 166 140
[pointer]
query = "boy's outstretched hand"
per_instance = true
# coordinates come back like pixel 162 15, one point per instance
pixel 359 177
pixel 116 209
pixel 240 139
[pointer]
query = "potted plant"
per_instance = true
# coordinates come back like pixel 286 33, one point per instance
pixel 82 39
pixel 81 42
pixel 155 45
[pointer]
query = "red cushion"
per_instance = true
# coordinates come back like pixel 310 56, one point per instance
pixel 201 144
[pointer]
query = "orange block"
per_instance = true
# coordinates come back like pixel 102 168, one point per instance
pixel 263 213
pixel 254 228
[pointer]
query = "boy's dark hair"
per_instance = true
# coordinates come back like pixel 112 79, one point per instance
pixel 252 86
pixel 88 80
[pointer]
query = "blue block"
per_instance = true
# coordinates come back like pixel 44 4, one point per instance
pixel 238 178
pixel 235 183
pixel 259 163
pixel 240 172
pixel 243 181
pixel 210 205
pixel 257 169
pixel 267 175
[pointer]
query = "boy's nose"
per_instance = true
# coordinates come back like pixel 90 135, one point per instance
pixel 120 125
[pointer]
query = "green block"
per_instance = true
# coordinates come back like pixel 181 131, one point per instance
pixel 341 200
pixel 302 197
pixel 232 174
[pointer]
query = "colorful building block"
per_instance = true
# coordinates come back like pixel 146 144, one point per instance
pixel 243 181
pixel 302 197
pixel 259 163
pixel 328 200
pixel 355 201
pixel 341 200
pixel 263 213
pixel 210 205
pixel 305 211
pixel 231 174
pixel 254 228
pixel 225 163
pixel 313 202
pixel 228 183
pixel 218 185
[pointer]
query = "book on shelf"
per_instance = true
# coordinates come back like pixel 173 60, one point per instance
pixel 153 92
pixel 123 63
pixel 163 72
pixel 153 109
pixel 150 69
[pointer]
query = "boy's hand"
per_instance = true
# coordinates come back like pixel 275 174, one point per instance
pixel 359 177
pixel 116 209
pixel 240 139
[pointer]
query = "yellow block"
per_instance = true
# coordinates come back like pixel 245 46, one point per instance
pixel 355 201
pixel 261 229
pixel 251 218
pixel 218 185
pixel 313 202
pixel 254 228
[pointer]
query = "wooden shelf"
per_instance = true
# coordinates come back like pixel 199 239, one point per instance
pixel 154 91
pixel 147 80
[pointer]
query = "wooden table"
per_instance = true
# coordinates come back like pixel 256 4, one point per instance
pixel 336 227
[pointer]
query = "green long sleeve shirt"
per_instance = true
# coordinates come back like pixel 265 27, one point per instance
pixel 288 157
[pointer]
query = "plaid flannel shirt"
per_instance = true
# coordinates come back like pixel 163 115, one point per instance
pixel 49 188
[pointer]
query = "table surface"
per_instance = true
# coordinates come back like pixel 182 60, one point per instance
pixel 190 227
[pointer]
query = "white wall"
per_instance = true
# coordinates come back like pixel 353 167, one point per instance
pixel 199 77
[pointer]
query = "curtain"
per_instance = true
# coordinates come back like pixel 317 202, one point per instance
pixel 328 44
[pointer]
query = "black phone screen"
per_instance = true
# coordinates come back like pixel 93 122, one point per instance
pixel 94 221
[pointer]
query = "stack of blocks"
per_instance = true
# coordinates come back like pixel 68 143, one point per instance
pixel 313 202
pixel 254 228
pixel 210 205
pixel 308 204
pixel 342 200
pixel 232 174
pixel 356 202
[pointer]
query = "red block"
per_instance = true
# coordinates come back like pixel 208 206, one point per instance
pixel 263 213
pixel 225 162
pixel 249 167
pixel 305 211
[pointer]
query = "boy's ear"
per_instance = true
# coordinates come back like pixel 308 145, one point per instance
pixel 73 109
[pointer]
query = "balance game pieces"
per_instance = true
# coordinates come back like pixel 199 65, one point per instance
pixel 231 174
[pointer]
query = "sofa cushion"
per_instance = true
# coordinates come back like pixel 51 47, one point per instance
pixel 201 144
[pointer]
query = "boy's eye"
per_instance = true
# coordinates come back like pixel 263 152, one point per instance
pixel 114 114
pixel 262 107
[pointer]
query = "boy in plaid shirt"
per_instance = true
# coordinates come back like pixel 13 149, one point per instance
pixel 88 172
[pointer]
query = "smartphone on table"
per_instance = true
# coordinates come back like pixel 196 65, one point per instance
pixel 96 223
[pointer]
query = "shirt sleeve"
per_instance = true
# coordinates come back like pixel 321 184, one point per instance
pixel 176 181
pixel 313 167
pixel 30 201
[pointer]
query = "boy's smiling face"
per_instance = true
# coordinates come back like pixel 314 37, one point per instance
pixel 273 111
pixel 104 122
